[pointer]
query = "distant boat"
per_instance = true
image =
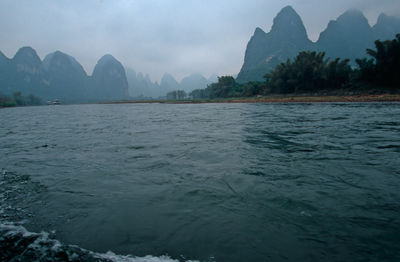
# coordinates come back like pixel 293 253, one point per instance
pixel 49 102
pixel 56 102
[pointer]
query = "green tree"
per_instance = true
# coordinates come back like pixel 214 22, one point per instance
pixel 384 67
pixel 309 72
pixel 253 89
pixel 33 100
pixel 176 95
pixel 337 74
pixel 366 72
pixel 19 99
pixel 6 101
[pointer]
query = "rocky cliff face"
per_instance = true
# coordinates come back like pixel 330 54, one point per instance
pixel 4 74
pixel 386 27
pixel 24 70
pixel 26 60
pixel 64 78
pixel 60 76
pixel 346 37
pixel 286 39
pixel 108 81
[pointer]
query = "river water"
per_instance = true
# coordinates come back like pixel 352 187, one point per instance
pixel 207 182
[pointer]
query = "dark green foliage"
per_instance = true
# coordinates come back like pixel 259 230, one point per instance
pixel 366 71
pixel 309 72
pixel 337 74
pixel 227 87
pixel 18 99
pixel 198 94
pixel 383 69
pixel 29 100
pixel 176 95
pixel 33 100
pixel 6 101
pixel 253 88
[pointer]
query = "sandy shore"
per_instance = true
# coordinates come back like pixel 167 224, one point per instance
pixel 278 99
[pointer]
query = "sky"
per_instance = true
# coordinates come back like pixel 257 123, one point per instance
pixel 179 37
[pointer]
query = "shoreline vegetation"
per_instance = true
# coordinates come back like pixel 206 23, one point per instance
pixel 309 77
pixel 373 79
pixel 17 99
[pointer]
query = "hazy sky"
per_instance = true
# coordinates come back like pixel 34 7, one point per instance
pixel 156 36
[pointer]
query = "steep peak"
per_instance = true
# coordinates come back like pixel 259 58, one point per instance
pixel 106 59
pixel 288 23
pixel 28 55
pixel 386 27
pixel 353 12
pixel 169 82
pixel 59 59
pixel 353 17
pixel 50 57
pixel 386 20
pixel 382 18
pixel 287 10
pixel 167 77
pixel 2 56
pixel 140 76
pixel 352 24
pixel 109 79
pixel 107 62
pixel 3 59
pixel 259 31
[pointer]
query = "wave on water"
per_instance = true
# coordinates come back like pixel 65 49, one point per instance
pixel 19 244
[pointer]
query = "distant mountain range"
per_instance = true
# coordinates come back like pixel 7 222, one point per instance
pixel 60 76
pixel 141 85
pixel 346 37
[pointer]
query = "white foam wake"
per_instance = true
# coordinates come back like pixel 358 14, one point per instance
pixel 18 244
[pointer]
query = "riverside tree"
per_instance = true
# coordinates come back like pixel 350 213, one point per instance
pixel 384 66
pixel 309 72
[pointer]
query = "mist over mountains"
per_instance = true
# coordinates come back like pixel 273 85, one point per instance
pixel 346 37
pixel 61 76
pixel 141 86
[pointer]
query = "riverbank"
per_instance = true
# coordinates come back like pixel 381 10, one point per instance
pixel 276 99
